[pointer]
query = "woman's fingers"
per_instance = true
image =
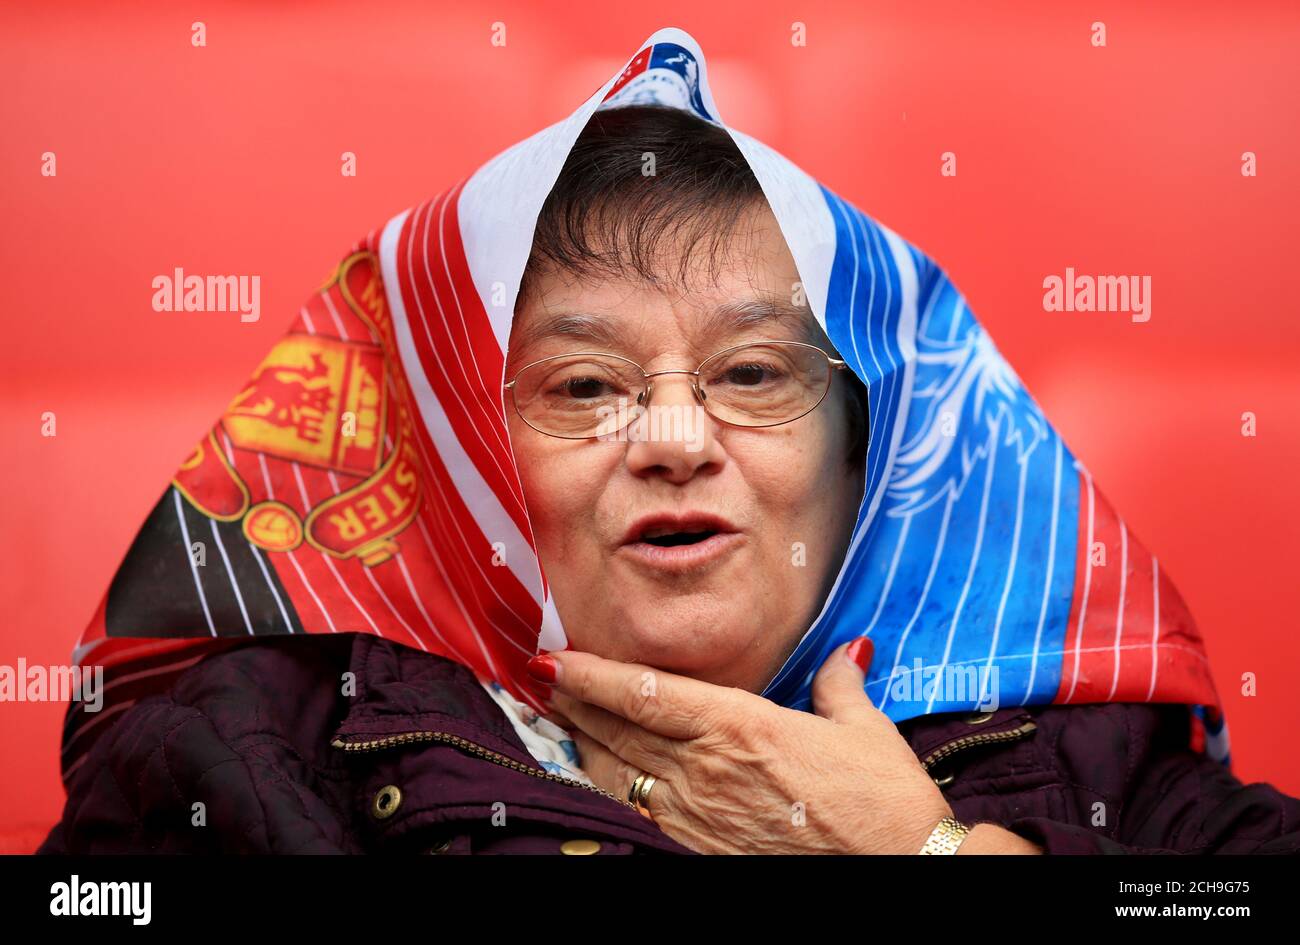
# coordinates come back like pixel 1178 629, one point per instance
pixel 616 775
pixel 838 689
pixel 665 703
pixel 625 739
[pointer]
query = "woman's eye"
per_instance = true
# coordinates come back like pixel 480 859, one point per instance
pixel 749 374
pixel 581 388
pixel 585 387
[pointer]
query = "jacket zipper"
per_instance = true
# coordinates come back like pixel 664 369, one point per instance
pixel 982 738
pixel 406 738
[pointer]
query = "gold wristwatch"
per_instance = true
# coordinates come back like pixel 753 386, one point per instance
pixel 945 838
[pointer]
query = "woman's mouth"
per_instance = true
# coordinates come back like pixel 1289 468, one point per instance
pixel 680 544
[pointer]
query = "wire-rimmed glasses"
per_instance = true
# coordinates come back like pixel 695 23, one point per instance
pixel 589 394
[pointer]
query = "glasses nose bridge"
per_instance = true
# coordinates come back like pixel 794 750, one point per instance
pixel 650 384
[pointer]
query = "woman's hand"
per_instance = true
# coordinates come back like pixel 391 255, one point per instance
pixel 739 774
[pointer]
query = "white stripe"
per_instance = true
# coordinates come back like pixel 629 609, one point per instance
pixel 334 482
pixel 853 296
pixel 889 578
pixel 271 584
pixel 348 591
pixel 482 502
pixel 925 591
pixel 455 383
pixel 460 310
pixel 425 614
pixel 257 556
pixel 1216 745
pixel 907 278
pixel 1123 599
pixel 975 554
pixel 307 584
pixel 1051 569
pixel 956 315
pixel 889 298
pixel 460 605
pixel 1107 648
pixel 1087 586
pixel 189 556
pixel 230 574
pixel 926 317
pixel 230 449
pixel 266 479
pixel 306 504
pixel 389 604
pixel 1011 573
pixel 879 265
pixel 450 516
pixel 306 320
pixel 505 635
pixel 334 314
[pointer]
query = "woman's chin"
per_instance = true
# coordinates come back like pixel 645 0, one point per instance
pixel 699 647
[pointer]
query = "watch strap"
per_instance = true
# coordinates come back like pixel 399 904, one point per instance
pixel 945 838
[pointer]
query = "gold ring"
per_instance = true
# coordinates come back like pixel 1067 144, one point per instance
pixel 639 794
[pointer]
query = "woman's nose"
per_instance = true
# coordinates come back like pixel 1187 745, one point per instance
pixel 674 437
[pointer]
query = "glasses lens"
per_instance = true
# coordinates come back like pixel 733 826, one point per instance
pixel 581 395
pixel 764 384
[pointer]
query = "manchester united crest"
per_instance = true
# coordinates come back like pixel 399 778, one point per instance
pixel 331 403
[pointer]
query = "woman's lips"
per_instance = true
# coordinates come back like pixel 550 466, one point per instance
pixel 668 543
pixel 682 559
pixel 666 523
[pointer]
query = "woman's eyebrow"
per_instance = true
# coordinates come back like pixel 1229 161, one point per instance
pixel 744 314
pixel 576 325
pixel 728 318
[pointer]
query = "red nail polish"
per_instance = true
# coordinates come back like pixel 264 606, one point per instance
pixel 861 651
pixel 543 667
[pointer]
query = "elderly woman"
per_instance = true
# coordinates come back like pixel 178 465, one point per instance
pixel 811 571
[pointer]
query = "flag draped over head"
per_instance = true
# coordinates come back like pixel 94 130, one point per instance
pixel 362 480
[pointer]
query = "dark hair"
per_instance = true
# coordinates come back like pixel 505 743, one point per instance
pixel 606 217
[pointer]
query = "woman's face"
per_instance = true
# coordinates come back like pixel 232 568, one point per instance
pixel 728 610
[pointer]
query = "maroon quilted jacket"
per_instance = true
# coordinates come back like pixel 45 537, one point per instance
pixel 257 750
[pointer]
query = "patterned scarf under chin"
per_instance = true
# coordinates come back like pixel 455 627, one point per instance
pixel 362 480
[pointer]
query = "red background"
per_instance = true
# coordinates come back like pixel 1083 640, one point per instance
pixel 225 159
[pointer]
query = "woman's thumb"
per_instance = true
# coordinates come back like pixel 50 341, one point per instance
pixel 838 691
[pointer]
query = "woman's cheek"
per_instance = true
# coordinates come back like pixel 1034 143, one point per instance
pixel 802 500
pixel 789 474
pixel 562 487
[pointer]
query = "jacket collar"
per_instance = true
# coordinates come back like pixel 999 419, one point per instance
pixel 398 690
